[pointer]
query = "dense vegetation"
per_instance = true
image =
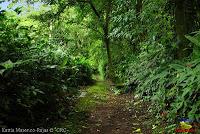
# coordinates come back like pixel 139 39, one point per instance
pixel 39 79
pixel 48 52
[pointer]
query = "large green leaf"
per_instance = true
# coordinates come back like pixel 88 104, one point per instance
pixel 2 71
pixel 193 40
pixel 7 64
pixel 177 66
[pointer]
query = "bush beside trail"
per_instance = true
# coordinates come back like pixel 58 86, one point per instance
pixel 39 82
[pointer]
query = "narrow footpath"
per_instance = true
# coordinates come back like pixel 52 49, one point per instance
pixel 114 114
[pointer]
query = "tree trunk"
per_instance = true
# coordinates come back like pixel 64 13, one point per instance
pixel 138 7
pixel 185 18
pixel 134 43
pixel 107 45
pixel 105 26
pixel 107 39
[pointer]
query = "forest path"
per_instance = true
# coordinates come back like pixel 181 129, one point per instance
pixel 113 114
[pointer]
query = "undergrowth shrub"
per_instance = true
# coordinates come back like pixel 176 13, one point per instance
pixel 171 85
pixel 39 81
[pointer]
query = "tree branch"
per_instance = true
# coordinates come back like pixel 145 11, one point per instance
pixel 94 9
pixel 92 6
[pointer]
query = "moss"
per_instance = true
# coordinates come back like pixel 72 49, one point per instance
pixel 96 94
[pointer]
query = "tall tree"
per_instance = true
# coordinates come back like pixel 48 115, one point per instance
pixel 138 7
pixel 185 15
pixel 106 35
pixel 101 9
pixel 103 18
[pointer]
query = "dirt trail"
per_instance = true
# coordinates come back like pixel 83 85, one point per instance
pixel 120 114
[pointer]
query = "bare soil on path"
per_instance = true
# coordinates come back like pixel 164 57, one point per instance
pixel 120 114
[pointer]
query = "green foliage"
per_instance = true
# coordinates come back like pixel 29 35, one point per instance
pixel 172 86
pixel 93 95
pixel 144 52
pixel 46 55
pixel 39 80
pixel 175 88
